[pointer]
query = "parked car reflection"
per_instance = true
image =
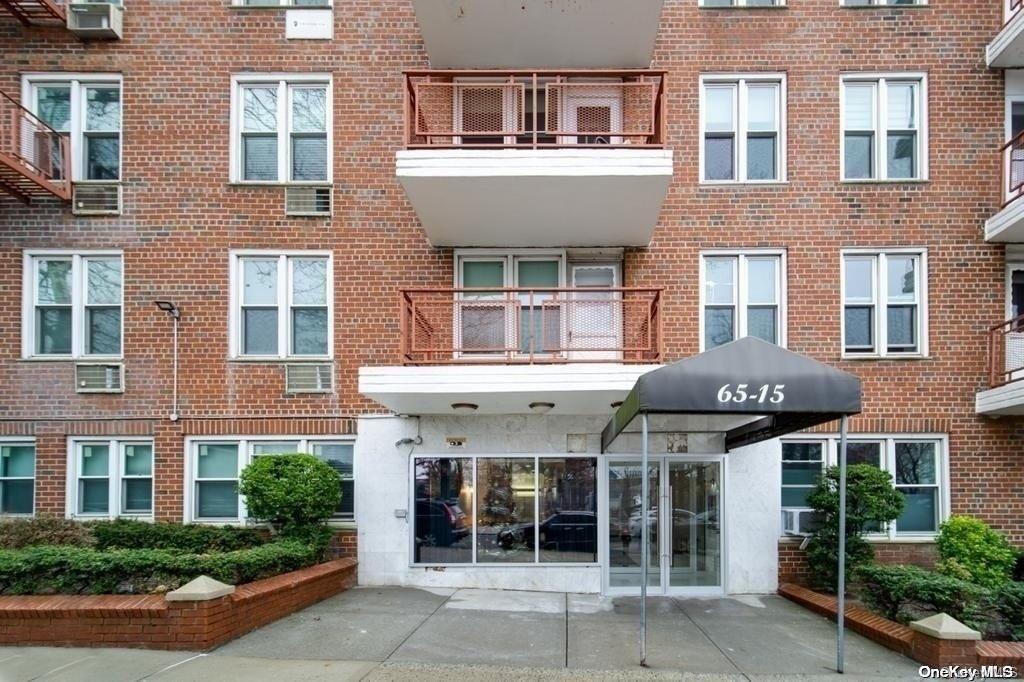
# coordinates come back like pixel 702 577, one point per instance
pixel 440 523
pixel 565 531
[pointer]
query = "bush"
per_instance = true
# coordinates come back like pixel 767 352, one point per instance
pixel 45 530
pixel 192 538
pixel 871 500
pixel 970 550
pixel 290 491
pixel 1009 600
pixel 81 570
pixel 908 593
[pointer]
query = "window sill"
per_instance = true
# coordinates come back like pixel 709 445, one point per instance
pixel 277 360
pixel 875 540
pixel 728 184
pixel 729 7
pixel 884 357
pixel 245 183
pixel 341 525
pixel 868 181
pixel 259 8
pixel 916 6
pixel 99 360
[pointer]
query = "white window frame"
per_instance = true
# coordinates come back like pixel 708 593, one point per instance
pixel 245 457
pixel 888 455
pixel 115 476
pixel 880 302
pixel 12 441
pixel 880 115
pixel 741 81
pixel 882 3
pixel 278 4
pixel 740 282
pixel 78 82
pixel 79 274
pixel 824 463
pixel 741 4
pixel 284 303
pixel 284 82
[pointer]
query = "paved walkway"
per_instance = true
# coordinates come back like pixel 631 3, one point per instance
pixel 410 634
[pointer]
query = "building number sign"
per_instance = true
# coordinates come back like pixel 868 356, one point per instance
pixel 744 393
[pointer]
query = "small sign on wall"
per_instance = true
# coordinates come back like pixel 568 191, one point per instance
pixel 309 24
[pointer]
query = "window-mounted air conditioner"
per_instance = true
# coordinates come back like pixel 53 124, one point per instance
pixel 96 19
pixel 800 522
pixel 99 378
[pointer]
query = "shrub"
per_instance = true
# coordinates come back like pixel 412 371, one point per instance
pixel 970 550
pixel 907 593
pixel 871 500
pixel 290 491
pixel 1008 599
pixel 192 538
pixel 44 530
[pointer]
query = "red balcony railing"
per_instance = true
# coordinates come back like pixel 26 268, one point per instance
pixel 1013 168
pixel 34 158
pixel 530 326
pixel 1006 352
pixel 31 12
pixel 534 109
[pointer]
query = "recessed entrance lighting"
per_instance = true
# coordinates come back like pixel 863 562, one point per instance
pixel 541 408
pixel 464 408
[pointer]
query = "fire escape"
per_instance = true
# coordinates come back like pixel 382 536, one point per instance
pixel 31 12
pixel 35 159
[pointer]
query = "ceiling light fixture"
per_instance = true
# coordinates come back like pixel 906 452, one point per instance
pixel 464 408
pixel 541 408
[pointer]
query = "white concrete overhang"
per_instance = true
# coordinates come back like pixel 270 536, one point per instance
pixel 1006 51
pixel 575 389
pixel 542 198
pixel 1007 226
pixel 539 33
pixel 1006 400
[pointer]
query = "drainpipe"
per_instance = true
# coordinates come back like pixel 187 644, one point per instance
pixel 841 590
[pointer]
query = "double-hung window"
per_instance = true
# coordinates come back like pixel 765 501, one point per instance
pixel 884 303
pixel 88 108
pixel 281 305
pixel 73 304
pixel 281 129
pixel 742 128
pixel 884 123
pixel 110 478
pixel 742 294
pixel 17 477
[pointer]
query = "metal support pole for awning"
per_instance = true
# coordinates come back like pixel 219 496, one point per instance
pixel 645 539
pixel 841 588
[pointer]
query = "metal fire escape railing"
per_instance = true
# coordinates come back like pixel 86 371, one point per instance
pixel 31 12
pixel 1006 352
pixel 35 159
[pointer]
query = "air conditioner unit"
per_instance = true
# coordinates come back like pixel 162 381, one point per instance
pixel 96 19
pixel 800 522
pixel 96 198
pixel 99 378
pixel 307 201
pixel 309 378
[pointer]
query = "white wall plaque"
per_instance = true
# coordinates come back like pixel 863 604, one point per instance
pixel 309 24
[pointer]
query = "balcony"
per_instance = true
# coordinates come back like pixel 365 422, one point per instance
pixel 505 350
pixel 33 156
pixel 542 158
pixel 1008 224
pixel 32 12
pixel 530 34
pixel 1005 395
pixel 1006 51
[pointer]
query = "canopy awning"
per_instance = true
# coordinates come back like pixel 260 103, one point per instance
pixel 778 390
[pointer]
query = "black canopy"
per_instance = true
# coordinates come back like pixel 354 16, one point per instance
pixel 780 390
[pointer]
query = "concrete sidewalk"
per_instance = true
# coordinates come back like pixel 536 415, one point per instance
pixel 411 634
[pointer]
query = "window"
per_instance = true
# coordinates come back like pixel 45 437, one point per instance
pixel 110 478
pixel 73 305
pixel 916 463
pixel 884 127
pixel 884 311
pixel 88 108
pixel 282 129
pixel 17 478
pixel 742 128
pixel 504 510
pixel 282 305
pixel 742 294
pixel 214 467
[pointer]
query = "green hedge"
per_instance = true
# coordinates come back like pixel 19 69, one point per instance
pixel 45 530
pixel 80 570
pixel 192 538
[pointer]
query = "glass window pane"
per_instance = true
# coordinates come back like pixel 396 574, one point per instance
pixel 217 460
pixel 216 499
pixel 102 157
pixel 309 110
pixel 761 105
pixel 259 331
pixel 260 281
pixel 920 511
pixel 54 282
pixel 309 331
pixel 540 330
pixel 16 497
pixel 53 331
pixel 482 327
pixel 915 463
pixel 104 277
pixel 902 149
pixel 259 154
pixel 260 109
pixel 17 461
pixel 859 106
pixel 309 281
pixel 537 273
pixel 720 113
pixel 443 489
pixel 94 496
pixel 718 327
pixel 53 106
pixel 138 459
pixel 718 158
pixel 137 495
pixel 796 497
pixel 276 448
pixel 719 281
pixel 902 101
pixel 761 323
pixel 567 528
pixel 761 158
pixel 347 506
pixel 859 275
pixel 339 457
pixel 95 459
pixel 858 156
pixel 103 331
pixel 103 109
pixel 483 274
pixel 902 328
pixel 902 280
pixel 761 281
pixel 505 526
pixel 859 328
pixel 803 452
pixel 309 158
pixel 864 453
pixel 800 473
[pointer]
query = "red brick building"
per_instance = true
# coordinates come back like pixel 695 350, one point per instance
pixel 624 185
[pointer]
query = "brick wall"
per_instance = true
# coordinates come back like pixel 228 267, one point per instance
pixel 793 566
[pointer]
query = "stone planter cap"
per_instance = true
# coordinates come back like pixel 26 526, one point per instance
pixel 202 588
pixel 943 626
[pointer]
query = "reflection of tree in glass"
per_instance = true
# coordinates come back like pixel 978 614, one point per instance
pixel 914 463
pixel 104 281
pixel 55 282
pixel 260 109
pixel 103 109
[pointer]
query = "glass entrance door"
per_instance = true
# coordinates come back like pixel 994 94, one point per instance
pixel 683 523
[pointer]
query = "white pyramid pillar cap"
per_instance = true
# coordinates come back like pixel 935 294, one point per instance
pixel 942 626
pixel 202 588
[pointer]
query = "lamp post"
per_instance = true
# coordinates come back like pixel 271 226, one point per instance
pixel 175 314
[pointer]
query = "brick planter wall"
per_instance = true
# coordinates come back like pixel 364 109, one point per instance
pixel 152 622
pixel 793 562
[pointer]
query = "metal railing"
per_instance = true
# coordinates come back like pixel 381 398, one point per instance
pixel 1012 11
pixel 1013 168
pixel 1006 352
pixel 530 326
pixel 534 109
pixel 34 149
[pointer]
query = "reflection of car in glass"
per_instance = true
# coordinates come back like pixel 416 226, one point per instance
pixel 680 517
pixel 565 531
pixel 440 523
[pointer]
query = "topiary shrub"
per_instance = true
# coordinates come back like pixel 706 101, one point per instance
pixel 970 550
pixel 908 593
pixel 292 492
pixel 871 501
pixel 44 530
pixel 194 538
